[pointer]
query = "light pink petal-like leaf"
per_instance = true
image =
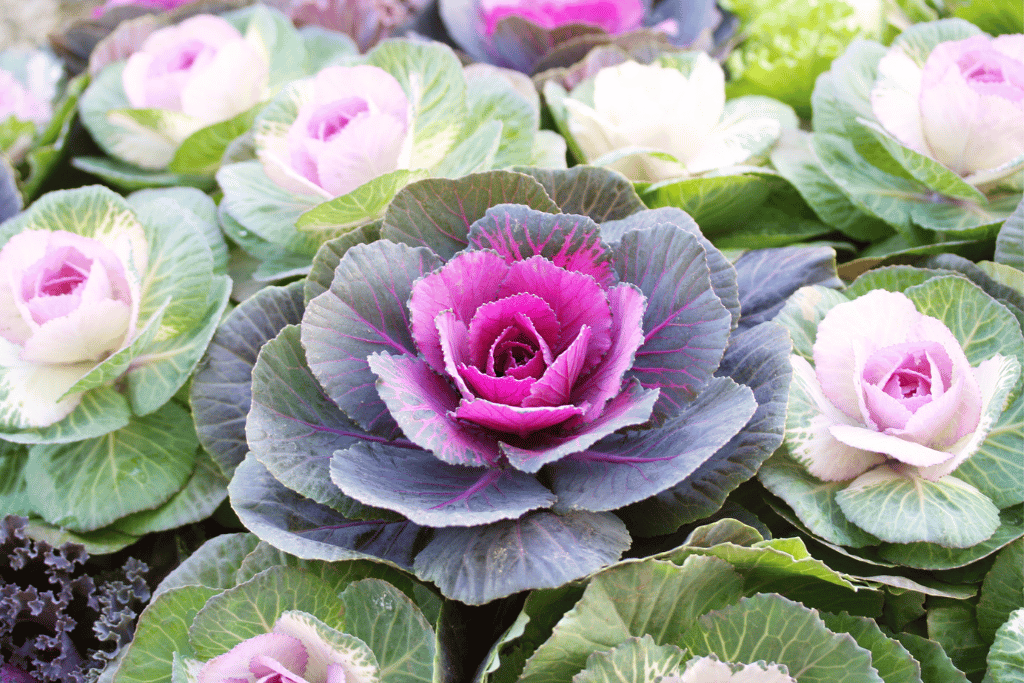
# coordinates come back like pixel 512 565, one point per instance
pixel 235 662
pixel 422 403
pixel 569 241
pixel 466 282
pixel 577 300
pixel 369 146
pixel 886 444
pixel 630 408
pixel 453 335
pixel 513 419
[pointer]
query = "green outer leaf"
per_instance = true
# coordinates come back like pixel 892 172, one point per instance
pixel 101 410
pixel 599 193
pixel 936 666
pixel 631 599
pixel 982 325
pixel 285 49
pixel 180 263
pixel 892 661
pixel 364 204
pixel 952 624
pixel 129 178
pixel 636 660
pixel 869 188
pixel 925 169
pixel 907 508
pixel 251 608
pixel 88 484
pixel 1010 241
pixel 918 41
pixel 436 213
pixel 474 154
pixel 214 564
pixel 774 629
pixel 997 469
pixel 496 99
pixel 1002 591
pixel 393 627
pixel 162 631
pixel 933 556
pixel 205 211
pixel 163 367
pixel 717 203
pixel 804 311
pixel 100 542
pixel 1006 658
pixel 891 278
pixel 204 491
pixel 812 501
pixel 201 152
pixel 262 207
pixel 13 485
pixel 432 78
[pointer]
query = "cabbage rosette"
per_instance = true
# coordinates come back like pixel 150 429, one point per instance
pixel 924 136
pixel 532 37
pixel 239 610
pixel 332 150
pixel 36 109
pixel 499 384
pixel 905 415
pixel 727 606
pixel 668 127
pixel 106 306
pixel 167 114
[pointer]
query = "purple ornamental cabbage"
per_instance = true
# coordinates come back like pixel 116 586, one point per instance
pixel 482 411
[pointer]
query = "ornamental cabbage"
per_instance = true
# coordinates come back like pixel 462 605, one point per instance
pixel 494 383
pixel 905 407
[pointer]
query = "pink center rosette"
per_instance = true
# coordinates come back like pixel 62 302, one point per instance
pixel 353 129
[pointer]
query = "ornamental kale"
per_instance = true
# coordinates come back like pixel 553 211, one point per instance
pixel 58 623
pixel 474 395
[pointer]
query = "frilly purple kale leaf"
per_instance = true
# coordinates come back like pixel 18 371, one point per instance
pixel 57 622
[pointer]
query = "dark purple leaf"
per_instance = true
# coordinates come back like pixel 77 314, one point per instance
pixel 627 468
pixel 321 273
pixel 433 493
pixel 757 357
pixel 686 327
pixel 723 275
pixel 540 550
pixel 521 44
pixel 221 392
pixel 363 312
pixel 570 241
pixel 630 408
pixel 293 428
pixel 436 213
pixel 423 403
pixel 599 193
pixel 10 198
pixel 311 531
pixel 767 277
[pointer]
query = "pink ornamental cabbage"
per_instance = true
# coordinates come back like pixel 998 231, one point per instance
pixel 891 386
pixel 18 101
pixel 614 16
pixel 66 303
pixel 964 108
pixel 296 651
pixel 202 67
pixel 353 129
